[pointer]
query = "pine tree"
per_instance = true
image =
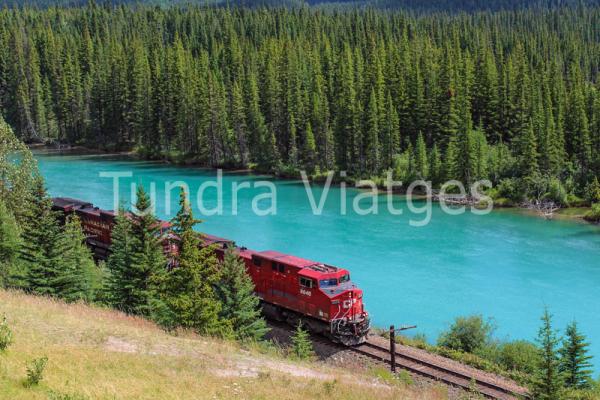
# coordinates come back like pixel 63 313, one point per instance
pixel 421 165
pixel 185 294
pixel 76 279
pixel 575 363
pixel 120 282
pixel 527 153
pixel 548 381
pixel 41 253
pixel 371 139
pixel 301 345
pixel 436 172
pixel 240 305
pixel 137 256
pixel 391 134
pixel 310 149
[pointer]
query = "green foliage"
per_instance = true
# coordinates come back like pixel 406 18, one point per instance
pixel 463 100
pixel 575 363
pixel 592 191
pixel 548 381
pixel 35 371
pixel 77 270
pixel 185 294
pixel 137 257
pixel 17 169
pixel 594 214
pixel 467 334
pixel 42 250
pixel 9 243
pixel 6 336
pixel 240 305
pixel 520 355
pixel 302 346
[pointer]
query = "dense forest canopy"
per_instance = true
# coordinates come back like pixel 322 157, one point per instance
pixel 512 96
pixel 414 5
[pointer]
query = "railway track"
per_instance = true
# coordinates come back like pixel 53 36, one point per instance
pixel 427 368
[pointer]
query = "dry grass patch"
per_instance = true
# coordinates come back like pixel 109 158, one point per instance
pixel 96 353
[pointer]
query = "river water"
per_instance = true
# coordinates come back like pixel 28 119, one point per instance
pixel 504 265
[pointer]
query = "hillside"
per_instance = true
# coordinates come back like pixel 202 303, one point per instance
pixel 100 354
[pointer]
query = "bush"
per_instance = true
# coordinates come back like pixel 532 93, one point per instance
pixel 592 191
pixel 509 189
pixel 556 192
pixel 5 335
pixel 35 371
pixel 301 345
pixel 467 334
pixel 594 214
pixel 520 355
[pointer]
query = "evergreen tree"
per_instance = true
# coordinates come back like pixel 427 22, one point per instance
pixel 372 136
pixel 119 288
pixel 41 252
pixel 78 271
pixel 575 363
pixel 137 256
pixel 301 344
pixel 421 165
pixel 240 305
pixel 548 381
pixel 436 172
pixel 185 294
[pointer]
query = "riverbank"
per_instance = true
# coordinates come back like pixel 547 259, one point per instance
pixel 576 214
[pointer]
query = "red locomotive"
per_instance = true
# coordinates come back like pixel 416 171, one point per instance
pixel 292 289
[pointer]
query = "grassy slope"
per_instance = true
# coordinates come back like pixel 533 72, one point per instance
pixel 101 354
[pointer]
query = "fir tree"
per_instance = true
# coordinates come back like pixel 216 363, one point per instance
pixel 240 305
pixel 301 344
pixel 76 279
pixel 575 363
pixel 436 172
pixel 120 284
pixel 41 252
pixel 137 256
pixel 548 381
pixel 421 165
pixel 186 294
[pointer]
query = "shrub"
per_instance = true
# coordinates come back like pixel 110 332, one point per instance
pixel 592 191
pixel 467 334
pixel 35 371
pixel 5 335
pixel 509 189
pixel 556 192
pixel 594 214
pixel 519 355
pixel 301 345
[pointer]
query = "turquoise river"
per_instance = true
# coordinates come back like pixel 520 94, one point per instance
pixel 504 265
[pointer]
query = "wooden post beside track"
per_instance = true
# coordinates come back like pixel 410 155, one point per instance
pixel 392 348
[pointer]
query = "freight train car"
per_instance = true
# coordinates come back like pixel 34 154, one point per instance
pixel 291 289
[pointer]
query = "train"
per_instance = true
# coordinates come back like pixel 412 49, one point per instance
pixel 291 289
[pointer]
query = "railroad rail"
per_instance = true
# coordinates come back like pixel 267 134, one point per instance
pixel 429 369
pixel 465 378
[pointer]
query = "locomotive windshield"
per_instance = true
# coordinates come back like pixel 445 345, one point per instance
pixel 328 282
pixel 345 278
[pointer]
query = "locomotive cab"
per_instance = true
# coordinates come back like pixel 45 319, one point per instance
pixel 349 322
